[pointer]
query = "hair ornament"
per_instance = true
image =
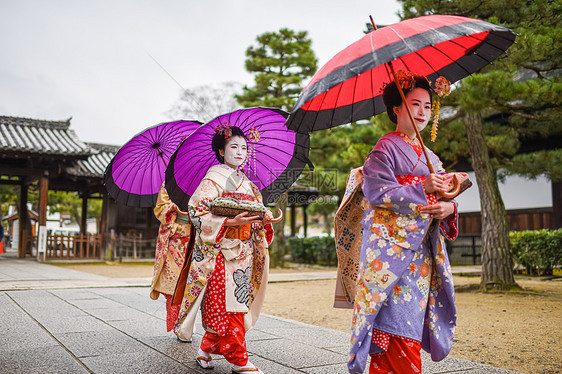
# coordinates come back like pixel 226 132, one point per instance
pixel 224 128
pixel 254 134
pixel 442 89
pixel 405 78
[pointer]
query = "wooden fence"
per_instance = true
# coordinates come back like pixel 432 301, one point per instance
pixel 131 245
pixel 74 246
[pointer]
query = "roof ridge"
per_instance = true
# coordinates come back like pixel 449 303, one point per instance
pixel 30 122
pixel 103 147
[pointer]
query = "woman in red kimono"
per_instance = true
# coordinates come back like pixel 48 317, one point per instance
pixel 173 236
pixel 230 261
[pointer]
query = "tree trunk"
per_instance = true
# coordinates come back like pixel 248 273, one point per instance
pixel 327 224
pixel 497 261
pixel 277 250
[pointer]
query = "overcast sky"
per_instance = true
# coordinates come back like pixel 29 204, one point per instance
pixel 90 60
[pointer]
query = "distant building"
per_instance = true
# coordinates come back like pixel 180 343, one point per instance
pixel 50 153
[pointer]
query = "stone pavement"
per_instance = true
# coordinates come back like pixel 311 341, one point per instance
pixel 55 320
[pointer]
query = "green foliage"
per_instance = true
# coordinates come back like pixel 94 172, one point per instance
pixel 538 251
pixel 519 95
pixel 8 196
pixel 71 203
pixel 280 61
pixel 342 148
pixel 314 250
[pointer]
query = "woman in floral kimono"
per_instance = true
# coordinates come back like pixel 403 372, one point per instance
pixel 173 236
pixel 230 263
pixel 404 292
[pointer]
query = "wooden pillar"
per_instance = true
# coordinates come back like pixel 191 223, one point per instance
pixel 22 221
pixel 103 224
pixel 42 224
pixel 84 217
pixel 305 220
pixel 293 220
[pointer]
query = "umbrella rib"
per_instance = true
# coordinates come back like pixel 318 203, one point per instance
pixel 353 102
pixel 460 45
pixel 130 172
pixel 334 110
pixel 453 61
pixel 126 174
pixel 495 35
pixel 145 169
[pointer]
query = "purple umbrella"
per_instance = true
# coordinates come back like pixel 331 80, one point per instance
pixel 136 172
pixel 279 156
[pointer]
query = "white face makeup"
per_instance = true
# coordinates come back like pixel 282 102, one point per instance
pixel 419 102
pixel 235 151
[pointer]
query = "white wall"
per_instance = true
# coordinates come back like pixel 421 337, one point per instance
pixel 517 193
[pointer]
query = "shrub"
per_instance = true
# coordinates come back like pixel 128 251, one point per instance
pixel 538 251
pixel 314 250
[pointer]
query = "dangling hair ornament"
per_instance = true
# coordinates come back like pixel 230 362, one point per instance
pixel 253 136
pixel 224 128
pixel 442 89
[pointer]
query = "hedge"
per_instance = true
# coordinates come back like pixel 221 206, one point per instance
pixel 538 251
pixel 314 250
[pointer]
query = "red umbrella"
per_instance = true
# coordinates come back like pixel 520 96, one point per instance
pixel 348 88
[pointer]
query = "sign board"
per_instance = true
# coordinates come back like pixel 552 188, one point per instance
pixel 42 240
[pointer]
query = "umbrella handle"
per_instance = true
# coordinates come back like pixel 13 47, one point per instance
pixel 455 191
pixel 278 218
pixel 186 213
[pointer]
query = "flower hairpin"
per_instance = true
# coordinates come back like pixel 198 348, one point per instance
pixel 406 79
pixel 224 128
pixel 442 89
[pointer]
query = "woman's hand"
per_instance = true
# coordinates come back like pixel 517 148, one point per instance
pixel 242 219
pixel 440 210
pixel 435 183
pixel 268 218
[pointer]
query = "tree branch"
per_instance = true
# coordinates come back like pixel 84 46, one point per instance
pixel 445 121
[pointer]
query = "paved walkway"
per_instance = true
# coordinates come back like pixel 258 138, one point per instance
pixel 55 320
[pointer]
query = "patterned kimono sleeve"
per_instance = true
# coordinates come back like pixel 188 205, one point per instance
pixel 165 210
pixel 381 188
pixel 210 228
pixel 449 225
pixel 263 235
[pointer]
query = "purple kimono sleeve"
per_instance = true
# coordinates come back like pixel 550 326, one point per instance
pixel 381 188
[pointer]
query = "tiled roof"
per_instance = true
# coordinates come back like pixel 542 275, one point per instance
pixel 32 136
pixel 95 165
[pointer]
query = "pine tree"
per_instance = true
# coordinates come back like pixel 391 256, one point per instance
pixel 280 61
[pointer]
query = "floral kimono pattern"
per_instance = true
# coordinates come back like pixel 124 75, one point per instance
pixel 244 248
pixel 404 286
pixel 173 236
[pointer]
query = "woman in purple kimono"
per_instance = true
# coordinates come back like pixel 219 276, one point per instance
pixel 404 292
